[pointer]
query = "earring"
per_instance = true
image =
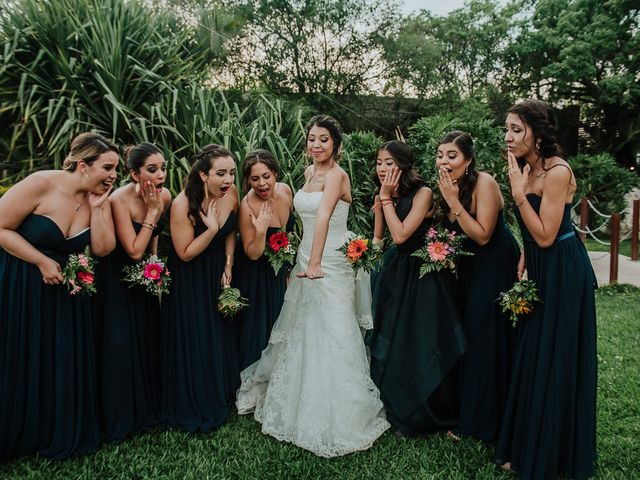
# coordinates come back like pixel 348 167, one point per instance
pixel 466 170
pixel 137 188
pixel 206 190
pixel 538 145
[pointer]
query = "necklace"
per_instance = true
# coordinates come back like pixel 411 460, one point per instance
pixel 78 204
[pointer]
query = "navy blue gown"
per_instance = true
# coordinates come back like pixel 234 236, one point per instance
pixel 127 346
pixel 265 292
pixel 200 368
pixel 486 365
pixel 549 425
pixel 417 339
pixel 47 380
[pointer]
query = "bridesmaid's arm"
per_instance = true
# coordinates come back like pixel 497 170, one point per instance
pixel 16 204
pixel 378 222
pixel 545 226
pixel 135 244
pixel 229 250
pixel 402 231
pixel 103 237
pixel 253 231
pixel 488 203
pixel 185 243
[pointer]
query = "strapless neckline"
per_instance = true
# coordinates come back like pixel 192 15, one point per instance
pixel 322 191
pixel 58 227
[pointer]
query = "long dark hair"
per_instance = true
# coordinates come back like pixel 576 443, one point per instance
pixel 194 188
pixel 258 156
pixel 87 147
pixel 467 183
pixel 538 115
pixel 136 155
pixel 410 179
pixel 331 124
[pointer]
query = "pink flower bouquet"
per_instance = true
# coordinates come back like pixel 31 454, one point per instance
pixel 441 251
pixel 78 274
pixel 150 272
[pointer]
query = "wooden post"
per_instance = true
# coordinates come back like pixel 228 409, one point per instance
pixel 615 247
pixel 634 230
pixel 584 218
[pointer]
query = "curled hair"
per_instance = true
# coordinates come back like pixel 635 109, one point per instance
pixel 402 155
pixel 87 147
pixel 194 188
pixel 136 155
pixel 332 125
pixel 258 156
pixel 467 183
pixel 536 114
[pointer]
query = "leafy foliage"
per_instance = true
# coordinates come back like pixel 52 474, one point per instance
pixel 73 65
pixel 586 53
pixel 603 181
pixel 358 160
pixel 325 46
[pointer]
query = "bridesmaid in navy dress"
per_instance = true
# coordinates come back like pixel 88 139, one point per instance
pixel 126 319
pixel 549 425
pixel 417 338
pixel 201 363
pixel 471 204
pixel 265 209
pixel 47 380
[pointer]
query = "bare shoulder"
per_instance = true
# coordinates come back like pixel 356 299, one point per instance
pixel 308 172
pixel 43 179
pixel 486 181
pixel 180 203
pixel 166 195
pixel 558 169
pixel 424 192
pixel 284 189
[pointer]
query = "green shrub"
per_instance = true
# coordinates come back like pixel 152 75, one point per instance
pixel 360 150
pixel 604 182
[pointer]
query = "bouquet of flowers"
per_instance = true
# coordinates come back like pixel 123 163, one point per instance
pixel 281 247
pixel 520 299
pixel 150 272
pixel 230 301
pixel 361 252
pixel 78 274
pixel 441 251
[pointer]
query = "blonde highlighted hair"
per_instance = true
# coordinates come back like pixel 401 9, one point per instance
pixel 87 147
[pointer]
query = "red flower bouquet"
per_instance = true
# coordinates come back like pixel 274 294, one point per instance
pixel 280 249
pixel 78 274
pixel 150 272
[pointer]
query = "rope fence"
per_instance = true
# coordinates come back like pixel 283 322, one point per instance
pixel 613 222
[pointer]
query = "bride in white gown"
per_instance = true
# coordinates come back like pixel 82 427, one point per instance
pixel 311 387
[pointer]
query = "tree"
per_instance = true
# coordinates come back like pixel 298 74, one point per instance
pixel 318 46
pixel 452 57
pixel 585 52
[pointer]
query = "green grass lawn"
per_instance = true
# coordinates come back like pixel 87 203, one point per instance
pixel 239 451
pixel 593 246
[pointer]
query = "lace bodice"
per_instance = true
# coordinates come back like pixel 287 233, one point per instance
pixel 306 204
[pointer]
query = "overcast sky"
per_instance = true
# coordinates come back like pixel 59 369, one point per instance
pixel 438 7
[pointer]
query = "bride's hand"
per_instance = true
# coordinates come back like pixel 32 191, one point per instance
pixel 312 272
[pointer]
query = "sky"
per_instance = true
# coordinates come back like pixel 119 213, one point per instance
pixel 438 7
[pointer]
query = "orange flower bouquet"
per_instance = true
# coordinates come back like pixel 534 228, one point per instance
pixel 78 274
pixel 441 251
pixel 520 299
pixel 361 252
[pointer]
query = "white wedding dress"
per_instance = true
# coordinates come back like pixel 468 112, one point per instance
pixel 311 387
